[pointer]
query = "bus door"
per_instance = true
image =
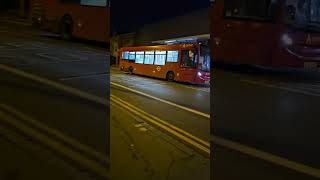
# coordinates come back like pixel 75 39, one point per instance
pixel 188 65
pixel 245 34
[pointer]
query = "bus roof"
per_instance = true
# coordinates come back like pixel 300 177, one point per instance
pixel 159 47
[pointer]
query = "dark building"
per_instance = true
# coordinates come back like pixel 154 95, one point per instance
pixel 188 28
pixel 15 7
pixel 192 27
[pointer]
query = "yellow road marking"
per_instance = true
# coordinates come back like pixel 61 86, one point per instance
pixel 53 132
pixel 55 145
pixel 217 140
pixel 200 145
pixel 162 100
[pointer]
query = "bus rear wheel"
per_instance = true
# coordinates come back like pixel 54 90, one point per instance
pixel 170 76
pixel 66 25
pixel 130 70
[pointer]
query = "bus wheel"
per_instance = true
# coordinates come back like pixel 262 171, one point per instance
pixel 66 25
pixel 170 76
pixel 130 70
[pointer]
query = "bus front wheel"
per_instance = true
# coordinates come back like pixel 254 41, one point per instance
pixel 66 25
pixel 170 76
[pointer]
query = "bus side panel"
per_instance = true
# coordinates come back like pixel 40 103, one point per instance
pixel 89 22
pixel 241 41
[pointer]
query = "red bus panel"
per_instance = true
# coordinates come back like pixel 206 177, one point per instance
pixel 278 33
pixel 183 62
pixel 88 21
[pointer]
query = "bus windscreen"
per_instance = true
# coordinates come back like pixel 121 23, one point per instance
pixel 101 3
pixel 303 13
pixel 250 9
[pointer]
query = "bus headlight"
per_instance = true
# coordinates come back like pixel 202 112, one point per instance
pixel 287 40
pixel 199 74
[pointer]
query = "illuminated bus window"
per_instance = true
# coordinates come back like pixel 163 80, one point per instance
pixel 189 59
pixel 172 56
pixel 139 57
pixel 125 55
pixel 149 57
pixel 160 58
pixel 132 55
pixel 101 3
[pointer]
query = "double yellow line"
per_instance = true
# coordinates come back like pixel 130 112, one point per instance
pixel 192 141
pixel 65 146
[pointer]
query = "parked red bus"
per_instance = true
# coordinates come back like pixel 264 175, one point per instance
pixel 86 19
pixel 275 33
pixel 182 62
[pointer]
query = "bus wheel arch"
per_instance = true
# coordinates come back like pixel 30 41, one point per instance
pixel 130 69
pixel 170 76
pixel 66 27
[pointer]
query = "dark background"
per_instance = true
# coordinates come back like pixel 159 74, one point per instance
pixel 128 15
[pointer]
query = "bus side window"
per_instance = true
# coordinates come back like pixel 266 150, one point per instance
pixel 172 56
pixel 125 55
pixel 139 57
pixel 149 57
pixel 160 58
pixel 188 58
pixel 132 56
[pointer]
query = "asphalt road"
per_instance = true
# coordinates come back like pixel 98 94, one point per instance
pixel 272 112
pixel 65 87
pixel 34 101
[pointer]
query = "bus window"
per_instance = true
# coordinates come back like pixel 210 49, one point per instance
pixel 204 63
pixel 102 3
pixel 172 56
pixel 139 57
pixel 160 58
pixel 315 11
pixel 132 55
pixel 149 57
pixel 250 9
pixel 188 59
pixel 303 14
pixel 125 55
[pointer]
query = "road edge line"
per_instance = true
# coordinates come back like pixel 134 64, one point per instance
pixel 162 100
pixel 188 141
pixel 55 145
pixel 56 85
pixel 59 136
pixel 268 157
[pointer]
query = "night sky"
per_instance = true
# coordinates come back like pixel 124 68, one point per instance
pixel 128 15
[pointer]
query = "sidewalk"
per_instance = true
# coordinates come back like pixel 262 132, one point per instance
pixel 139 151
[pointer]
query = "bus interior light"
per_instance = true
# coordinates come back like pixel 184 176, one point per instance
pixel 287 40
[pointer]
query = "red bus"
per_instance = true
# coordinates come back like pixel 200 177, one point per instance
pixel 86 19
pixel 182 62
pixel 274 33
